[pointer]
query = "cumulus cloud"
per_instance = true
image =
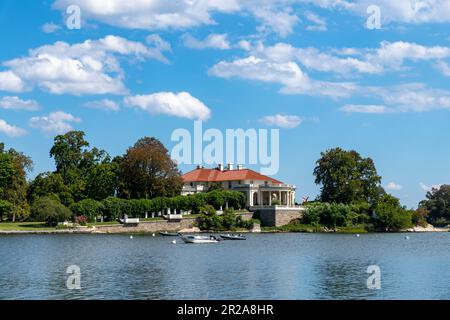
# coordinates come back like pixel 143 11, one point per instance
pixel 9 81
pixel 11 130
pixel 288 74
pixel 212 41
pixel 15 103
pixel 392 186
pixel 50 27
pixel 282 121
pixel 180 104
pixel 90 67
pixel 152 14
pixel 280 21
pixel 58 122
pixel 104 104
pixel 273 15
pixel 416 97
pixel 406 11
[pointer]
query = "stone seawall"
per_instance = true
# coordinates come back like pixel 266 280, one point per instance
pixel 149 226
pixel 277 217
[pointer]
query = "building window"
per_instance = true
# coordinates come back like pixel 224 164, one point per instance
pixel 229 185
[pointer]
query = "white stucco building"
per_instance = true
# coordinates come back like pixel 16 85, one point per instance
pixel 260 190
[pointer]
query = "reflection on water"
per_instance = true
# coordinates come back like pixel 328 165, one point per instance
pixel 266 266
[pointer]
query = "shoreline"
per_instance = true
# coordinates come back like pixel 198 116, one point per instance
pixel 95 231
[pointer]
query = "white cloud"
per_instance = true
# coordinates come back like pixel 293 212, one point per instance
pixel 56 122
pixel 415 97
pixel 288 74
pixel 443 67
pixel 429 188
pixel 407 11
pixel 9 81
pixel 213 41
pixel 393 54
pixel 104 104
pixel 152 14
pixel 281 21
pixel 15 103
pixel 377 109
pixel 158 43
pixel 274 15
pixel 392 186
pixel 282 121
pixel 90 67
pixel 180 104
pixel 318 23
pixel 50 27
pixel 10 130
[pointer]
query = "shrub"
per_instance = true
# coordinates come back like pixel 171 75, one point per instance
pixel 88 207
pixel 419 217
pixel 50 211
pixel 113 208
pixel 215 198
pixel 81 220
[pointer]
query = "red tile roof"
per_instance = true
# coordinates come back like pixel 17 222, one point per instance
pixel 215 175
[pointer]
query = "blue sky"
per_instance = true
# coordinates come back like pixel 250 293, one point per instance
pixel 313 69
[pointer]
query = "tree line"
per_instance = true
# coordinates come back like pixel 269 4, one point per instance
pixel 89 182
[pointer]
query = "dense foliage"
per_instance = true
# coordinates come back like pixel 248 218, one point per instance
pixel 50 211
pixel 87 185
pixel 437 205
pixel 347 178
pixel 210 220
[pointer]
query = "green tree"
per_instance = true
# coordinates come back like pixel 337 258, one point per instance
pixel 347 178
pixel 50 211
pixel 390 215
pixel 6 208
pixel 14 167
pixel 101 180
pixel 147 171
pixel 68 151
pixel 50 184
pixel 437 204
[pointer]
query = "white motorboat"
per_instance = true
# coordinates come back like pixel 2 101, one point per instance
pixel 198 239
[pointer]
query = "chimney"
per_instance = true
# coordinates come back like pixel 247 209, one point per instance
pixel 220 167
pixel 199 167
pixel 230 166
pixel 240 167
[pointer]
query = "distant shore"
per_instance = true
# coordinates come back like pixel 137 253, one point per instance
pixel 120 230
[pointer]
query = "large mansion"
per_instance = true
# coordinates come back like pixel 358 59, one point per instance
pixel 260 190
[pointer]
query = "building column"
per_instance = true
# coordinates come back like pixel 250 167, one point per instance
pixel 270 198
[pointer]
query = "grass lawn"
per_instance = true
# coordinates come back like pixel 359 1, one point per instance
pixel 24 226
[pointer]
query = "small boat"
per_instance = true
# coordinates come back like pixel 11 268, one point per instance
pixel 199 239
pixel 233 237
pixel 169 234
